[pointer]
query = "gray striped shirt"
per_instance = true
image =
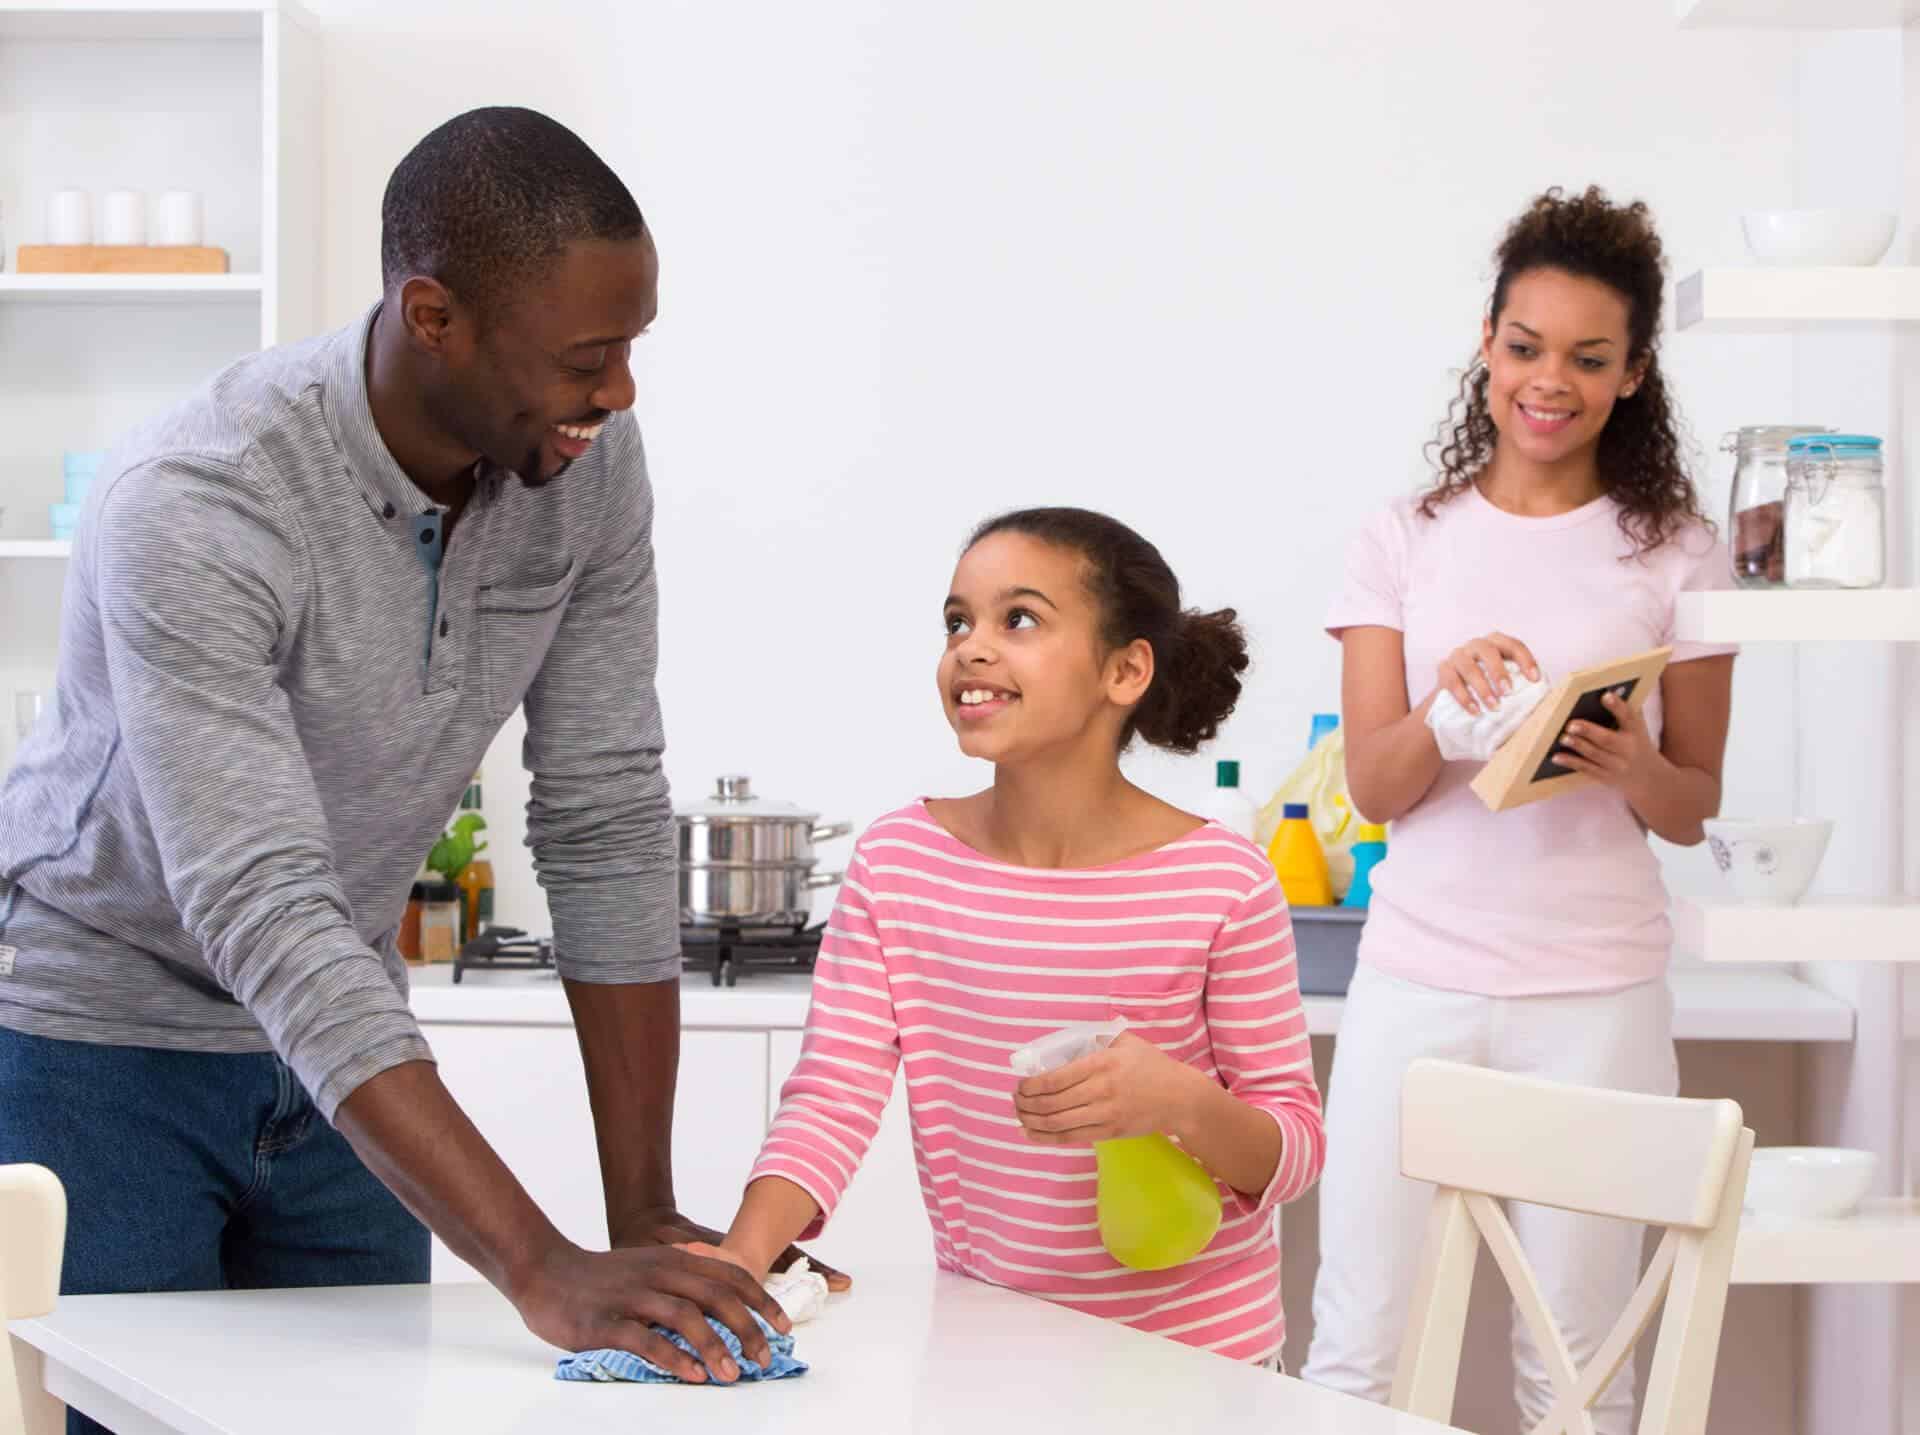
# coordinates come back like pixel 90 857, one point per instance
pixel 270 699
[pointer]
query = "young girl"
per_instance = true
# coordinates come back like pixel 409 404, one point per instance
pixel 1559 532
pixel 970 926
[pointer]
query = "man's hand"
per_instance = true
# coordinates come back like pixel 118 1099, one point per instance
pixel 664 1226
pixel 589 1300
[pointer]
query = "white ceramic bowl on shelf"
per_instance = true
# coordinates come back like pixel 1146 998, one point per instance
pixel 1812 237
pixel 1770 863
pixel 1809 1182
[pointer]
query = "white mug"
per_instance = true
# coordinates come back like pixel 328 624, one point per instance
pixel 70 217
pixel 176 219
pixel 123 218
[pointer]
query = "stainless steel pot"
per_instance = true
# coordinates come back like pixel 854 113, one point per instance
pixel 748 861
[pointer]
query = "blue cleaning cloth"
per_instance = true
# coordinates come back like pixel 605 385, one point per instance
pixel 606 1365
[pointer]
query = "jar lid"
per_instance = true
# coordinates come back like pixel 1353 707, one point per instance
pixel 438 891
pixel 733 797
pixel 1839 445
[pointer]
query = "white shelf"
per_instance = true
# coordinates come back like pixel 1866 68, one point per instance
pixel 130 288
pixel 1877 1245
pixel 1797 14
pixel 1824 929
pixel 139 19
pixel 35 548
pixel 1755 300
pixel 1803 615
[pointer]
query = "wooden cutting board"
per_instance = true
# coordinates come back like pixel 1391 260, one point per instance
pixel 121 259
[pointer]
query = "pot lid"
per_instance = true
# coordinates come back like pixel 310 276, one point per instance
pixel 733 797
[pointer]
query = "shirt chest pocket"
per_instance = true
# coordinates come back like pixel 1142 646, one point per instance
pixel 1162 1007
pixel 517 626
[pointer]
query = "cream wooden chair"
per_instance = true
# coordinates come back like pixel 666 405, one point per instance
pixel 33 1232
pixel 1482 1137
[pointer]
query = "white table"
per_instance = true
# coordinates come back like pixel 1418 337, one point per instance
pixel 909 1350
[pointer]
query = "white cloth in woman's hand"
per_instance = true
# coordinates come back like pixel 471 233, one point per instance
pixel 1476 737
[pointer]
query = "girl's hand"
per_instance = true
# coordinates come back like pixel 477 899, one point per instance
pixel 1626 760
pixel 1476 672
pixel 727 1253
pixel 1132 1088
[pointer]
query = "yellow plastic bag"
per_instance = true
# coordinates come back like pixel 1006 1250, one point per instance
pixel 1320 782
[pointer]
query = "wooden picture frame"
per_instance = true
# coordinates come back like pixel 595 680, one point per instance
pixel 1523 770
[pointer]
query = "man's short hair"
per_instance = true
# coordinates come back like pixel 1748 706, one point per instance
pixel 492 197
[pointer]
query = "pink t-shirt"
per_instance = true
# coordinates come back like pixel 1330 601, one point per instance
pixel 1558 896
pixel 942 961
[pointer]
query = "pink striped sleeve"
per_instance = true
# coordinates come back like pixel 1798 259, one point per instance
pixel 830 1106
pixel 1259 1033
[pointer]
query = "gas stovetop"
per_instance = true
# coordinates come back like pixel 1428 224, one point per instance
pixel 722 952
pixel 725 952
pixel 503 948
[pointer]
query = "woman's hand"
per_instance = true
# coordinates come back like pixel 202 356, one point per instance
pixel 1627 760
pixel 1476 672
pixel 1130 1088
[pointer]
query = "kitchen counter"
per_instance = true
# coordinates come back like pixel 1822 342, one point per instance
pixel 908 1350
pixel 1723 1004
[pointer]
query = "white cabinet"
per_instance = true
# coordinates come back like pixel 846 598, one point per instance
pixel 883 1220
pixel 524 1087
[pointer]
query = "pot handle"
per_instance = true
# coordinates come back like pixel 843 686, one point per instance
pixel 817 880
pixel 827 831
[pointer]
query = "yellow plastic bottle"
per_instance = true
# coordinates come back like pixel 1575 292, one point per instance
pixel 1299 861
pixel 1158 1206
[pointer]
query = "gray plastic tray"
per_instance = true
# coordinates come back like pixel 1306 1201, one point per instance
pixel 1326 943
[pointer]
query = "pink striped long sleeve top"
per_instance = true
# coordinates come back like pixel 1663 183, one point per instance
pixel 946 961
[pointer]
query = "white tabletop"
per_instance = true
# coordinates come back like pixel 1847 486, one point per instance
pixel 908 1350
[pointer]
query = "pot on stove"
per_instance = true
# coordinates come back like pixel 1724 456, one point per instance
pixel 748 861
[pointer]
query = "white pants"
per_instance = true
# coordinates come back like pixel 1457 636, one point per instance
pixel 1373 1220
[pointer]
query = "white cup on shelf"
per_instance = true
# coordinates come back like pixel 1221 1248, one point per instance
pixel 123 217
pixel 70 217
pixel 177 218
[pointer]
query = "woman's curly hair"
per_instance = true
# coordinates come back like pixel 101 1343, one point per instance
pixel 1641 460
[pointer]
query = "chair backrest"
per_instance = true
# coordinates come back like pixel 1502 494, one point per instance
pixel 33 1233
pixel 1484 1136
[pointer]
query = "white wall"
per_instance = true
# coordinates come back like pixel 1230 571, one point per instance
pixel 1206 267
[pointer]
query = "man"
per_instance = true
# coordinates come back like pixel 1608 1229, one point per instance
pixel 301 606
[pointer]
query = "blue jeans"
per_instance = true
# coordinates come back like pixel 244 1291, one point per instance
pixel 196 1171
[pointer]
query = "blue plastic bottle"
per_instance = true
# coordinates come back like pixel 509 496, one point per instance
pixel 1368 850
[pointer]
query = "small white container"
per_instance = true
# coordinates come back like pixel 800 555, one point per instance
pixel 1228 804
pixel 1769 864
pixel 1809 238
pixel 123 218
pixel 70 217
pixel 177 218
pixel 1809 1182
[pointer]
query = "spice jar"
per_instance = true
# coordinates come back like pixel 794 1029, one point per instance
pixel 1758 514
pixel 1836 512
pixel 439 921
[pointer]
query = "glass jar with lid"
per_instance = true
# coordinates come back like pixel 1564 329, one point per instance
pixel 1836 527
pixel 1756 519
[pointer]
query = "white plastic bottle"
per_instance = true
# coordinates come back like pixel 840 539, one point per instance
pixel 1227 804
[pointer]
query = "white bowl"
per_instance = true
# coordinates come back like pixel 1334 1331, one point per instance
pixel 1806 237
pixel 1808 1181
pixel 1770 864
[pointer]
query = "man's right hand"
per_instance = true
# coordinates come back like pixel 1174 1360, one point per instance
pixel 590 1300
pixel 414 1137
